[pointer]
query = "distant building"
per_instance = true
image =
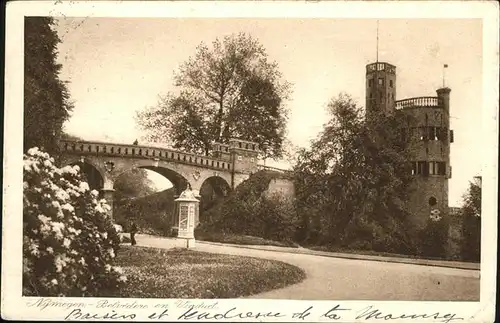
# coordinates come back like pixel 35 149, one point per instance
pixel 427 129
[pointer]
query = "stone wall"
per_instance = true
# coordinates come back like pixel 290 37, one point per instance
pixel 282 186
pixel 454 240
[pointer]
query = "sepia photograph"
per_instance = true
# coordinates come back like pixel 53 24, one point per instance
pixel 251 158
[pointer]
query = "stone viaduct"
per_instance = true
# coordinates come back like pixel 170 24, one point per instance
pixel 229 165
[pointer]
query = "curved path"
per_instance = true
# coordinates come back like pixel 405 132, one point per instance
pixel 331 278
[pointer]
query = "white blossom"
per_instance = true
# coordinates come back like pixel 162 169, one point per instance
pixel 111 252
pixel 54 281
pixel 57 228
pixel 73 170
pixel 34 249
pixel 50 250
pixel 43 218
pixel 99 209
pixel 60 263
pixel 84 186
pixel 66 242
pixel 62 195
pixel 68 207
pixel 33 151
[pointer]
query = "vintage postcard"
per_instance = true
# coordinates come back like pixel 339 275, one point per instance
pixel 284 161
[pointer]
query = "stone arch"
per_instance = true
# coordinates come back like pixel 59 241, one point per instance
pixel 178 180
pixel 92 172
pixel 164 206
pixel 212 190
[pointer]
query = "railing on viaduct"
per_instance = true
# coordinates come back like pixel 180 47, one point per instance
pixel 145 152
pixel 274 169
pixel 423 101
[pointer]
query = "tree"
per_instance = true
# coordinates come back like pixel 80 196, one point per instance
pixel 351 184
pixel 229 90
pixel 46 99
pixel 471 222
pixel 132 184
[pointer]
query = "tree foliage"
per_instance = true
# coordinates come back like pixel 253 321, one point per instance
pixel 351 184
pixel 153 214
pixel 471 223
pixel 132 184
pixel 249 210
pixel 46 99
pixel 228 90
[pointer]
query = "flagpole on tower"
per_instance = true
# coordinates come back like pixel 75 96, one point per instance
pixel 377 40
pixel 445 66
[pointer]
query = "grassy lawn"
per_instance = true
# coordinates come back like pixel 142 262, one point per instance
pixel 243 240
pixel 179 273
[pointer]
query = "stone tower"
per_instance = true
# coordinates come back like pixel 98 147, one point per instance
pixel 242 154
pixel 380 87
pixel 429 134
pixel 427 130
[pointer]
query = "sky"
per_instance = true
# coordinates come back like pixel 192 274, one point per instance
pixel 118 66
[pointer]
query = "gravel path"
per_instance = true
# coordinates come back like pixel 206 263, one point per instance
pixel 330 278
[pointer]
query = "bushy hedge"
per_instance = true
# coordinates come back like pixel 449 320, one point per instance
pixel 69 242
pixel 250 211
pixel 152 214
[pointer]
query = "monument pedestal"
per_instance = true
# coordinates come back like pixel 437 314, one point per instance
pixel 188 207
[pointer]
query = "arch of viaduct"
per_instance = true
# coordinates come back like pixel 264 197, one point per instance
pixel 111 160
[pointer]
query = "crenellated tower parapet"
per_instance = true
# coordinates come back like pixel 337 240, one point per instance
pixel 380 88
pixel 427 131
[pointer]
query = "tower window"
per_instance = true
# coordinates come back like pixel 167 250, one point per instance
pixel 421 168
pixel 371 95
pixel 422 133
pixel 433 133
pixel 432 168
pixel 370 82
pixel 380 81
pixel 391 83
pixel 432 201
pixel 441 168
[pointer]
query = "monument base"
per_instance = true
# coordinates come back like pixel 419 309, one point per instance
pixel 189 243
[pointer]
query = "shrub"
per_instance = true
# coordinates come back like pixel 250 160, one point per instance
pixel 69 242
pixel 152 214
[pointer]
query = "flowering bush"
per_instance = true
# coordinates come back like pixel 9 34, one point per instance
pixel 69 242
